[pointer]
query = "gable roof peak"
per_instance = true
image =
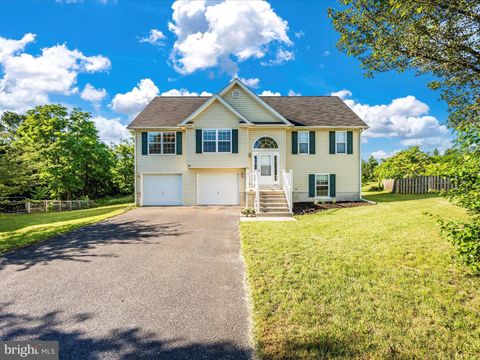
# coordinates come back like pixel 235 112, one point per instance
pixel 210 101
pixel 237 81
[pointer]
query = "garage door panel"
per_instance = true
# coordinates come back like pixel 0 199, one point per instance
pixel 218 189
pixel 162 189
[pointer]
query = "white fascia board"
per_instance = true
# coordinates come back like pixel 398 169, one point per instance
pixel 329 127
pixel 173 127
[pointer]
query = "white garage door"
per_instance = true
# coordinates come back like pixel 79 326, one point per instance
pixel 162 190
pixel 217 189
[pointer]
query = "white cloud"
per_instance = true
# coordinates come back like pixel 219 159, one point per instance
pixel 155 37
pixel 28 80
pixel 406 118
pixel 133 101
pixel 184 92
pixel 342 94
pixel 9 46
pixel 293 93
pixel 269 93
pixel 380 154
pixel 110 130
pixel 252 82
pixel 93 95
pixel 281 57
pixel 299 34
pixel 326 53
pixel 211 33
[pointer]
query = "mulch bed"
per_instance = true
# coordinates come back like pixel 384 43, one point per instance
pixel 303 208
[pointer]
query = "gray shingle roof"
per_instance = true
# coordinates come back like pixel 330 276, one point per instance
pixel 314 110
pixel 169 111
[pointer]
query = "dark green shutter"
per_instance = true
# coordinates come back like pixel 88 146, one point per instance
pixel 294 142
pixel 332 142
pixel 311 185
pixel 312 142
pixel 235 141
pixel 349 142
pixel 179 142
pixel 144 143
pixel 198 140
pixel 333 186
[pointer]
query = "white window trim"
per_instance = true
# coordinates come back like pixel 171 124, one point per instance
pixel 161 143
pixel 308 143
pixel 216 142
pixel 328 190
pixel 338 142
pixel 268 149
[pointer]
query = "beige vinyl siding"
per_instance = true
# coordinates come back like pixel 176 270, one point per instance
pixel 249 107
pixel 345 166
pixel 216 116
pixel 156 164
pixel 176 164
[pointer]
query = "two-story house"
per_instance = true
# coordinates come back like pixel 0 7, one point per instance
pixel 238 148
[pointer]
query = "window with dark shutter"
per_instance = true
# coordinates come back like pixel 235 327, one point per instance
pixel 198 141
pixel 312 142
pixel 294 142
pixel 144 143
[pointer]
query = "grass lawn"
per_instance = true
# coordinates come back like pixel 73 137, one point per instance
pixel 17 230
pixel 372 282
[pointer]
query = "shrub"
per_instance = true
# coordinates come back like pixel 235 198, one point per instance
pixel 465 236
pixel 378 187
pixel 248 212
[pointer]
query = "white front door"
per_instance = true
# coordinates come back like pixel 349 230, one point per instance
pixel 267 165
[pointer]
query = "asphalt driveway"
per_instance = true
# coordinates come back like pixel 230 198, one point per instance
pixel 154 283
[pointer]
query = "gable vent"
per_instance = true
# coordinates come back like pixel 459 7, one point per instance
pixel 236 94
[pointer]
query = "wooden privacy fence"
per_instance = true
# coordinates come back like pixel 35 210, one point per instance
pixel 418 185
pixel 32 206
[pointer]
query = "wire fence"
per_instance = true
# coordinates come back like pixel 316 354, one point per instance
pixel 19 205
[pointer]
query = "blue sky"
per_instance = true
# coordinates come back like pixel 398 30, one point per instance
pixel 111 57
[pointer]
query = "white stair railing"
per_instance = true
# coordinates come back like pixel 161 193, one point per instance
pixel 287 187
pixel 257 190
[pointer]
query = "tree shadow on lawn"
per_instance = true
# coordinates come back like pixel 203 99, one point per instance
pixel 123 344
pixel 322 347
pixel 391 197
pixel 13 222
pixel 77 244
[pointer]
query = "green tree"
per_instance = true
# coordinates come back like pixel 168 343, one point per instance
pixel 368 169
pixel 123 169
pixel 14 170
pixel 404 164
pixel 64 152
pixel 439 38
pixel 428 36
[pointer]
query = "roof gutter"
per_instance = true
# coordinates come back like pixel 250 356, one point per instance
pixel 360 169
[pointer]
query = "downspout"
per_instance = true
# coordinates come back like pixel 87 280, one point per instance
pixel 360 166
pixel 135 167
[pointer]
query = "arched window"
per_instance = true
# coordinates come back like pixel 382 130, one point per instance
pixel 265 142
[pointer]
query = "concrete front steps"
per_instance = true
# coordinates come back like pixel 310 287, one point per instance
pixel 273 203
